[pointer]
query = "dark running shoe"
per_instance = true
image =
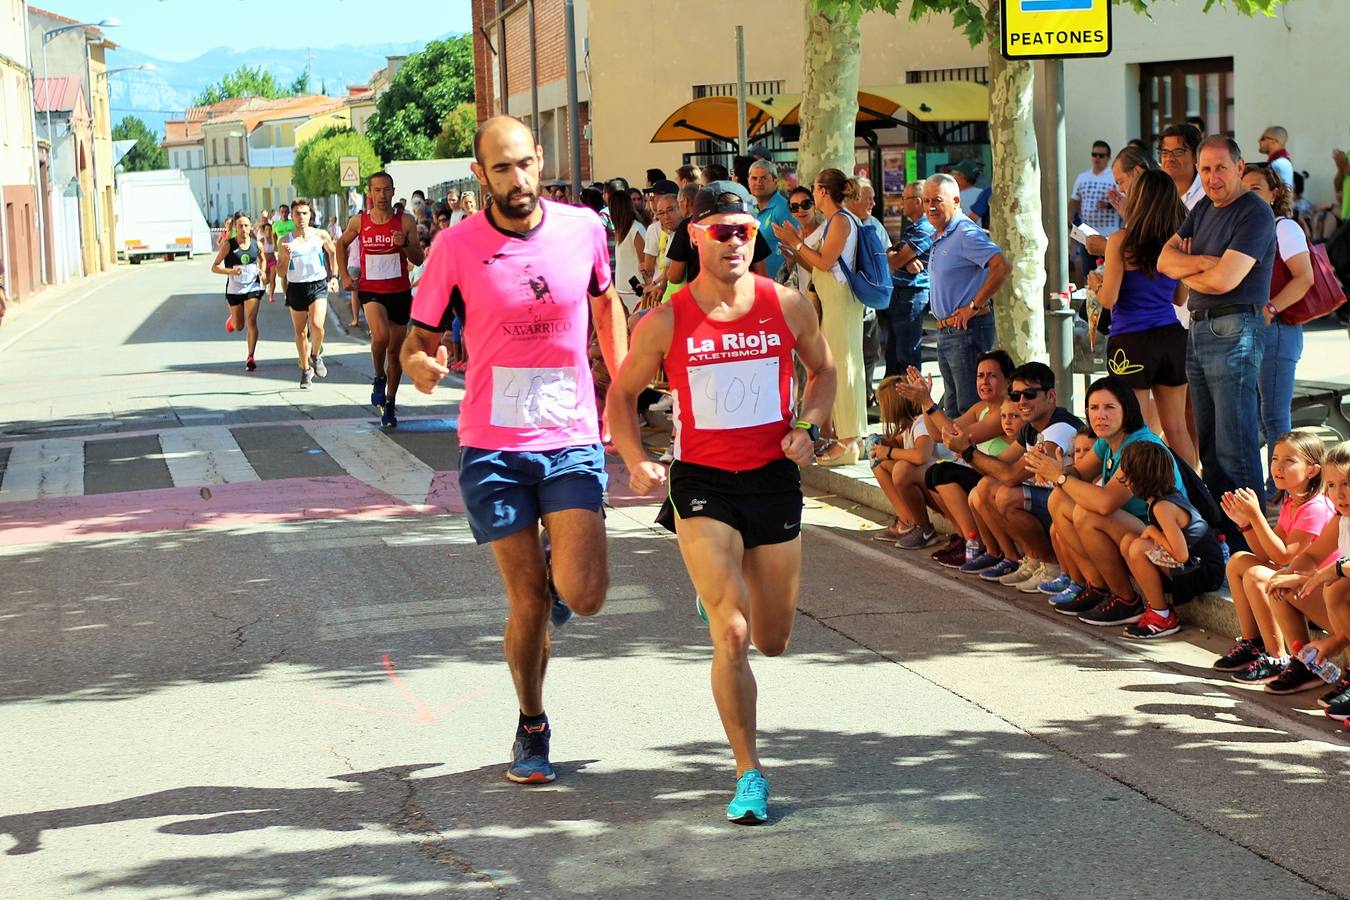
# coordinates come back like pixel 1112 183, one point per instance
pixel 559 612
pixel 1260 670
pixel 1339 693
pixel 1114 611
pixel 1242 654
pixel 389 418
pixel 1296 677
pixel 529 755
pixel 1088 599
pixel 1340 710
pixel 377 391
pixel 954 542
pixel 250 364
pixel 306 377
pixel 1154 624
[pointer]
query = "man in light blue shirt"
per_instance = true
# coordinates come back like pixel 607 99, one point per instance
pixel 965 270
pixel 909 285
pixel 773 209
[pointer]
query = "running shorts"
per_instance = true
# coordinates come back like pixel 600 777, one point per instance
pixel 397 306
pixel 764 504
pixel 944 472
pixel 238 299
pixel 1153 356
pixel 300 295
pixel 507 490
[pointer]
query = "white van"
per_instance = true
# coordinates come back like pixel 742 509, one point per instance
pixel 157 215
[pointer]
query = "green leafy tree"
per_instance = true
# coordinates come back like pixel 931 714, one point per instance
pixel 300 86
pixel 246 81
pixel 828 125
pixel 147 154
pixel 410 115
pixel 456 137
pixel 315 170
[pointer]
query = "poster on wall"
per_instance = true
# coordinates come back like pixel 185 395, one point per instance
pixel 894 172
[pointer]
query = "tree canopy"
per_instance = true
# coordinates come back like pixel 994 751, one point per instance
pixel 456 137
pixel 315 170
pixel 412 113
pixel 147 154
pixel 250 81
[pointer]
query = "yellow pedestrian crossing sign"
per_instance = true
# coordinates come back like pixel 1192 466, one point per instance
pixel 1056 29
pixel 350 169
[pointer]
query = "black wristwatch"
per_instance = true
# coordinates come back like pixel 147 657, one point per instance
pixel 968 454
pixel 932 409
pixel 812 430
pixel 1340 567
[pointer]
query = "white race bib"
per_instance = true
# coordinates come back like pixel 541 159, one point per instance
pixel 384 266
pixel 534 398
pixel 739 394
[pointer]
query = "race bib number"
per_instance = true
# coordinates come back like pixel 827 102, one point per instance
pixel 384 266
pixel 534 398
pixel 739 394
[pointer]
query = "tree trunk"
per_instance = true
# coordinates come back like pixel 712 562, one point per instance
pixel 1015 204
pixel 829 108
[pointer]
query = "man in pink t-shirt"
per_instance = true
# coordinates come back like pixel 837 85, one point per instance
pixel 527 277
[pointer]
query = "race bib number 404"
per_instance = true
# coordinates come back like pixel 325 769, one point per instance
pixel 739 394
pixel 534 398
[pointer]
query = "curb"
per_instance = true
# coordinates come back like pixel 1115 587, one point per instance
pixel 1214 612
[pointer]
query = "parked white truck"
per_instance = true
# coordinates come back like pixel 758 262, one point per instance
pixel 157 215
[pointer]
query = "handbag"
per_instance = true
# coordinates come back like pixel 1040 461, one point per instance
pixel 1324 296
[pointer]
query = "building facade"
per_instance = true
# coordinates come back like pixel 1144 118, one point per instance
pixel 65 123
pixel 21 225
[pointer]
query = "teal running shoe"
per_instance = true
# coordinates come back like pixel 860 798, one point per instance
pixel 559 612
pixel 698 605
pixel 750 806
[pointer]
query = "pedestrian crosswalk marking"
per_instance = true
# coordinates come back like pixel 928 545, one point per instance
pixel 41 469
pixel 368 455
pixel 205 456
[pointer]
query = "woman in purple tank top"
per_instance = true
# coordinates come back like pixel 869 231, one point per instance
pixel 1147 344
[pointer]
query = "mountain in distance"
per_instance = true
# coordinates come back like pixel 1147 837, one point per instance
pixel 166 93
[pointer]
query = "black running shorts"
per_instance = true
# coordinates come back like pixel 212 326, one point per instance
pixel 300 296
pixel 764 504
pixel 238 299
pixel 397 306
pixel 1144 358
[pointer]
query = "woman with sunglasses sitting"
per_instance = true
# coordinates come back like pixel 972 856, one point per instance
pixel 841 314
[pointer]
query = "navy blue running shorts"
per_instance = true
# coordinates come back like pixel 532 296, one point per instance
pixel 507 490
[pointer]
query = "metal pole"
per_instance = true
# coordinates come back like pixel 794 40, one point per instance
pixel 534 78
pixel 573 105
pixel 740 88
pixel 501 56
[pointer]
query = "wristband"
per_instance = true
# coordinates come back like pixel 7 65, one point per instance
pixel 968 454
pixel 1244 528
pixel 1340 570
pixel 932 409
pixel 812 430
pixel 1270 308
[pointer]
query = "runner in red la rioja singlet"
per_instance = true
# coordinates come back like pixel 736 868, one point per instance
pixel 388 245
pixel 735 498
pixel 527 276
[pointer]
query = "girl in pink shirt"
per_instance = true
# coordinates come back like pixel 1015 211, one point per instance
pixel 1258 655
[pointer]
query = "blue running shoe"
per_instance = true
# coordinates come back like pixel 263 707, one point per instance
pixel 1055 585
pixel 377 391
pixel 698 605
pixel 750 806
pixel 999 569
pixel 529 755
pixel 389 418
pixel 559 612
pixel 979 563
pixel 1068 595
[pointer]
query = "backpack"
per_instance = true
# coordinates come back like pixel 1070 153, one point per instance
pixel 1198 493
pixel 870 276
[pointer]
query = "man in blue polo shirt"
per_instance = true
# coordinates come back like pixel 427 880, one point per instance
pixel 965 270
pixel 909 285
pixel 773 209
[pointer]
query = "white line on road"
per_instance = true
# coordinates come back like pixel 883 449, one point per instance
pixel 39 469
pixel 365 453
pixel 204 455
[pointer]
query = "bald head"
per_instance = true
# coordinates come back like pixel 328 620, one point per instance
pixel 507 164
pixel 497 132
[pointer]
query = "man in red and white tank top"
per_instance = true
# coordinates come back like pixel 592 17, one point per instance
pixel 735 500
pixel 388 244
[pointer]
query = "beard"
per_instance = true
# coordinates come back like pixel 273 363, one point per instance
pixel 516 203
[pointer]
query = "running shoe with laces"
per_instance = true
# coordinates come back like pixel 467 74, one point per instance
pixel 1340 710
pixel 1261 670
pixel 917 538
pixel 750 806
pixel 949 546
pixel 1154 624
pixel 997 570
pixel 1042 573
pixel 984 561
pixel 1339 693
pixel 389 416
pixel 1114 611
pixel 1296 677
pixel 1242 654
pixel 306 377
pixel 953 558
pixel 559 612
pixel 1025 569
pixel 1055 585
pixel 1081 602
pixel 377 391
pixel 316 363
pixel 529 755
pixel 1067 595
pixel 249 364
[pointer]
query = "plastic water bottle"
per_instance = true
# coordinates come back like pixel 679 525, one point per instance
pixel 1326 670
pixel 972 546
pixel 1223 548
pixel 869 442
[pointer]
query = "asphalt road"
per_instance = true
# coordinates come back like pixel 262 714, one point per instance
pixel 250 650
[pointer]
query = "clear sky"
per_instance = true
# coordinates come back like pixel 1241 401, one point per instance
pixel 183 29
